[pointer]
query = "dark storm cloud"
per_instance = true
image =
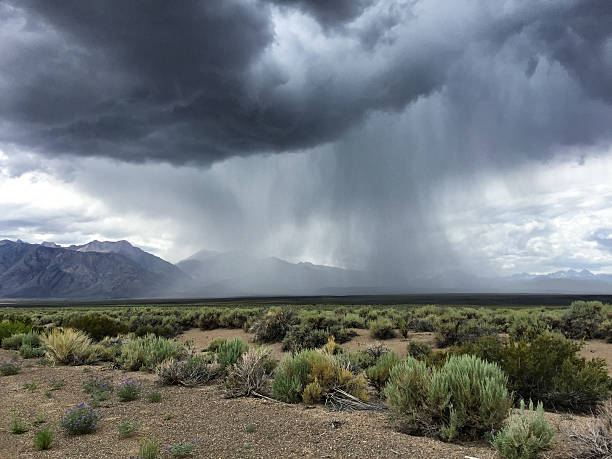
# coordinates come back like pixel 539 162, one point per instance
pixel 328 13
pixel 198 81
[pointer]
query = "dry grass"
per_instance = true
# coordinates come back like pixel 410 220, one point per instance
pixel 66 346
pixel 248 376
pixel 592 440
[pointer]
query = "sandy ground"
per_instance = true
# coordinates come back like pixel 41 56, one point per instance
pixel 598 348
pixel 184 414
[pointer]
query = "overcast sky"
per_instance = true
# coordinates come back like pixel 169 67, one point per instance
pixel 410 138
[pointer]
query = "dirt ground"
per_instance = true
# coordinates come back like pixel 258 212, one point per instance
pixel 598 348
pixel 185 414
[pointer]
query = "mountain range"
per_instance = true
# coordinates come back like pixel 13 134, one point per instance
pixel 107 269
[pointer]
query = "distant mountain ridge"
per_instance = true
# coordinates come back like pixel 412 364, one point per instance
pixel 50 271
pixel 117 269
pixel 241 274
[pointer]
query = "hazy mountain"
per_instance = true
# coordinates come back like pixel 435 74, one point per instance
pixel 146 260
pixel 40 271
pixel 238 274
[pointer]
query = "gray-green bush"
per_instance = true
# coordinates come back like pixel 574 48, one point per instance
pixel 526 435
pixel 464 399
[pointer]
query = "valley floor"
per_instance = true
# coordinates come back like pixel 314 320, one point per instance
pixel 185 414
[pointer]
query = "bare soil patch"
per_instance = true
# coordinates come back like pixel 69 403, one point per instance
pixel 363 340
pixel 184 414
pixel 203 338
pixel 598 348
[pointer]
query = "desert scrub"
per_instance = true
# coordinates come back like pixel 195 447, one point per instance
pixel 128 390
pixel 80 420
pixel 418 349
pixel 99 388
pixel 311 374
pixel 31 386
pixel 464 399
pixel 548 369
pixel 17 426
pixel 67 346
pixel 593 439
pixel 28 352
pixel 230 351
pixel 274 325
pixel 127 428
pixel 149 449
pixel 43 439
pixel 583 319
pixel 9 367
pixel 381 328
pixel 248 376
pixel 194 371
pixel 12 327
pixel 379 373
pixel 148 351
pixel 154 397
pixel 183 449
pixel 526 435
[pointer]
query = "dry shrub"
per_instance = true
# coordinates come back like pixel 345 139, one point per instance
pixel 594 439
pixel 195 371
pixel 274 325
pixel 376 350
pixel 248 376
pixel 67 346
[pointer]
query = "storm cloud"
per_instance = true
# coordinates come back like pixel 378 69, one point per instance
pixel 336 132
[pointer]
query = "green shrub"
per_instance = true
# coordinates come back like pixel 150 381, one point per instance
pixel 456 328
pixel 379 373
pixel 407 395
pixel 149 449
pixel 274 325
pixel 149 351
pixel 381 328
pixel 357 361
pixel 526 436
pixel 9 367
pixel 303 337
pixel 98 388
pixel 191 372
pixel 12 327
pixel 312 373
pixel 13 341
pixel 419 350
pixel 43 439
pixel 17 426
pixel 28 352
pixel 352 320
pixel 215 344
pixel 291 378
pixel 464 399
pixel 526 325
pixel 80 420
pixel 31 386
pixel 230 351
pixel 127 428
pixel 128 390
pixel 97 326
pixel 183 449
pixel 154 397
pixel 548 369
pixel 583 319
pixel 209 319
